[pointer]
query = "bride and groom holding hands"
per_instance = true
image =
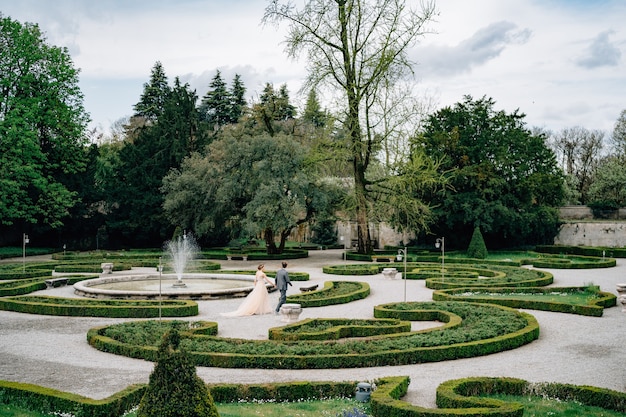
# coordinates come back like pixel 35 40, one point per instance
pixel 258 301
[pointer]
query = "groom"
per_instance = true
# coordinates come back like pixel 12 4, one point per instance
pixel 282 279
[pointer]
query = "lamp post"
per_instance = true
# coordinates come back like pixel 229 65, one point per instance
pixel 25 240
pixel 401 256
pixel 160 268
pixel 441 243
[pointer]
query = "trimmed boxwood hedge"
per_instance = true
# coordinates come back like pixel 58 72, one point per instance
pixel 334 329
pixel 471 330
pixel 80 307
pixel 595 308
pixel 334 292
pixel 597 251
pixel 461 397
pixel 455 398
pixel 47 400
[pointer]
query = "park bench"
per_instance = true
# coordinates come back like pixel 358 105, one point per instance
pixel 389 258
pixel 309 288
pixel 243 256
pixel 55 282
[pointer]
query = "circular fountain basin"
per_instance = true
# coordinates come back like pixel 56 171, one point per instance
pixel 145 287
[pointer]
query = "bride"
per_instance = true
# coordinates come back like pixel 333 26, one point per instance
pixel 257 302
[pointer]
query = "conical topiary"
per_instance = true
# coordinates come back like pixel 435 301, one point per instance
pixel 477 248
pixel 175 390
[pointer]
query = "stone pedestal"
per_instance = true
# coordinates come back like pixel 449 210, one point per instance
pixel 621 296
pixel 107 267
pixel 390 273
pixel 290 312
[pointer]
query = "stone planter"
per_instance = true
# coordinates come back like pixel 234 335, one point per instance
pixel 290 312
pixel 390 273
pixel 621 295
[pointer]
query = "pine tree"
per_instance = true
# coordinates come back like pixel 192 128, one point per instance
pixel 175 390
pixel 215 107
pixel 237 100
pixel 154 94
pixel 313 111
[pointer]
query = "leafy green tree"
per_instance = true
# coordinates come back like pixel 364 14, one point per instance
pixel 609 186
pixel 358 49
pixel 175 390
pixel 505 179
pixel 477 248
pixel 42 129
pixel 273 109
pixel 255 185
pixel 618 137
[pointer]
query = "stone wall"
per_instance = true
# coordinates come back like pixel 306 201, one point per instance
pixel 610 234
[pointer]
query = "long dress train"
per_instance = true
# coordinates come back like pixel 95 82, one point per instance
pixel 257 302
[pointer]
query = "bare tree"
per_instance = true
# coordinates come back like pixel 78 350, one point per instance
pixel 618 138
pixel 359 49
pixel 579 150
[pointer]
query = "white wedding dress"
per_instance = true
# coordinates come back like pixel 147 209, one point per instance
pixel 257 302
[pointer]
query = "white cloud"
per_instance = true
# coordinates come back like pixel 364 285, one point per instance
pixel 601 52
pixel 534 55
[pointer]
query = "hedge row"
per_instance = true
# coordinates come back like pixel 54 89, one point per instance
pixel 282 392
pixel 595 308
pixel 334 292
pixel 28 273
pixel 493 329
pixel 385 401
pixel 46 400
pixel 334 329
pixel 455 398
pixel 596 251
pixel 460 398
pixel 358 269
pixel 78 307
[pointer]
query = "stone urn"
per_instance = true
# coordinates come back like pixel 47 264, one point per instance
pixel 390 273
pixel 621 295
pixel 290 312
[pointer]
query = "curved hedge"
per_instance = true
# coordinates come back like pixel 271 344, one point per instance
pixel 80 307
pixel 596 251
pixel 594 308
pixel 358 269
pixel 46 400
pixel 462 397
pixel 334 329
pixel 481 329
pixel 334 292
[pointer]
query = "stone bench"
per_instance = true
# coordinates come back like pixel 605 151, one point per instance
pixel 290 312
pixel 107 267
pixel 390 273
pixel 232 256
pixel 389 258
pixel 55 282
pixel 309 288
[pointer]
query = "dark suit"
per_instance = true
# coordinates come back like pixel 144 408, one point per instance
pixel 282 280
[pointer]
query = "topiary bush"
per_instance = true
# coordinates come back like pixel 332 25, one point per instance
pixel 175 390
pixel 477 248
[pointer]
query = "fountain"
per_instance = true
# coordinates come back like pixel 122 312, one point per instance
pixel 181 251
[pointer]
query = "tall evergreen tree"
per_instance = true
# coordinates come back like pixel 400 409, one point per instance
pixel 215 107
pixel 155 92
pixel 238 101
pixel 313 111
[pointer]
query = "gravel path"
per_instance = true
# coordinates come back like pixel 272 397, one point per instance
pixel 53 352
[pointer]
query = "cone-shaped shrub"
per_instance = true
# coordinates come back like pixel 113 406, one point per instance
pixel 477 248
pixel 175 390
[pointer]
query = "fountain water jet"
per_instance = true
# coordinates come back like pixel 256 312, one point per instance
pixel 181 252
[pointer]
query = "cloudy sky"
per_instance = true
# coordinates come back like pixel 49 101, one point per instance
pixel 561 62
